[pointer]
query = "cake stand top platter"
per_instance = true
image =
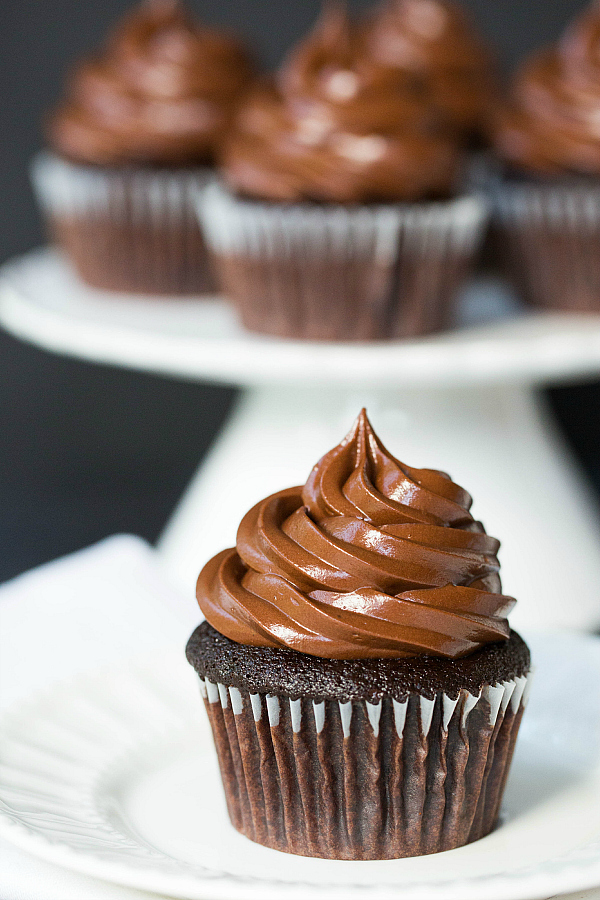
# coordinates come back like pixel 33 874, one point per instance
pixel 43 302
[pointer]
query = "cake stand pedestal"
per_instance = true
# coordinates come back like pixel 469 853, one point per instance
pixel 464 401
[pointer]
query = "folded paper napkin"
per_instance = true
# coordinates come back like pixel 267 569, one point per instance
pixel 104 603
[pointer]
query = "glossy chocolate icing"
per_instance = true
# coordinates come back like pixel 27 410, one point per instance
pixel 551 125
pixel 336 125
pixel 435 41
pixel 163 92
pixel 371 559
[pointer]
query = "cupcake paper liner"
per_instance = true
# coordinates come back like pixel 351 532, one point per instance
pixel 335 272
pixel 552 237
pixel 127 229
pixel 361 780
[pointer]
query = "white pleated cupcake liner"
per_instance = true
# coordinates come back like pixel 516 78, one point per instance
pixel 132 225
pixel 552 234
pixel 362 780
pixel 68 188
pixel 299 269
pixel 496 697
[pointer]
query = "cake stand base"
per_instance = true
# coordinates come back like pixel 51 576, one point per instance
pixel 497 441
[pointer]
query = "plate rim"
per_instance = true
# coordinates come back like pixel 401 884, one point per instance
pixel 218 885
pixel 483 358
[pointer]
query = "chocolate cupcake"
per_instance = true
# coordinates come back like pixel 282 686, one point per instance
pixel 336 218
pixel 132 144
pixel 362 682
pixel 548 201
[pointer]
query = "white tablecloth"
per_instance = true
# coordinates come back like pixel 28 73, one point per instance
pixel 100 604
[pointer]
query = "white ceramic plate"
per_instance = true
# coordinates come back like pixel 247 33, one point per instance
pixel 114 774
pixel 41 300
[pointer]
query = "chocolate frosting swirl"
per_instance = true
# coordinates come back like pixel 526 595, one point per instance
pixel 551 125
pixel 435 41
pixel 336 125
pixel 370 559
pixel 163 92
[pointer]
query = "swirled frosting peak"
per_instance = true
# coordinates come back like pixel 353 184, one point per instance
pixel 370 559
pixel 163 91
pixel 336 125
pixel 434 40
pixel 551 125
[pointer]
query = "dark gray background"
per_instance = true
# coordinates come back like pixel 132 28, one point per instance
pixel 87 450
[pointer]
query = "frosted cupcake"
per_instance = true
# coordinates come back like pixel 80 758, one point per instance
pixel 362 682
pixel 548 202
pixel 131 145
pixel 336 217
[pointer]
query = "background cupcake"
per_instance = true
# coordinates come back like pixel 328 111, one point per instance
pixel 362 683
pixel 335 221
pixel 549 201
pixel 130 146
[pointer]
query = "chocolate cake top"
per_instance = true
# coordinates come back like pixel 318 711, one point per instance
pixel 291 674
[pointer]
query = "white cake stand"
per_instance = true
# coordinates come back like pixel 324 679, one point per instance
pixel 463 401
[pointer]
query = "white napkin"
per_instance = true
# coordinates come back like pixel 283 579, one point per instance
pixel 103 603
